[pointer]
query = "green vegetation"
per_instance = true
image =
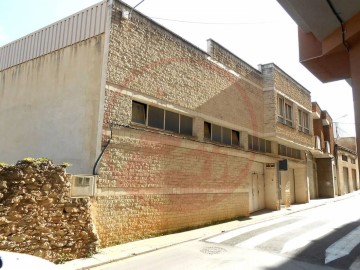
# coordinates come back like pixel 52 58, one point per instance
pixel 4 164
pixel 36 160
pixel 66 164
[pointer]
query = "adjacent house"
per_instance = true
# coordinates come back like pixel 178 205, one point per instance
pixel 347 165
pixel 323 184
pixel 177 137
pixel 329 48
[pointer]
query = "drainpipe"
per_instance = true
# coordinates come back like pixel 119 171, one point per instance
pixel 102 152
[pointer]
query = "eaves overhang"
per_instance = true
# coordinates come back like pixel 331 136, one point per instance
pixel 324 41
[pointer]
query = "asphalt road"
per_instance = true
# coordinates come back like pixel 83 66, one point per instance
pixel 326 237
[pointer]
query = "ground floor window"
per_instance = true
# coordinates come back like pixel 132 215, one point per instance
pixel 221 134
pixel 159 118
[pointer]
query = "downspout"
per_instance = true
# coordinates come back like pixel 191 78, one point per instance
pixel 100 124
pixel 102 152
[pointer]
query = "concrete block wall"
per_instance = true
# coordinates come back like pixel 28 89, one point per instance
pixel 153 183
pixel 278 82
pixel 148 59
pixel 354 184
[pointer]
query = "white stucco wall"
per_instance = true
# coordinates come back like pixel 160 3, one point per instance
pixel 49 106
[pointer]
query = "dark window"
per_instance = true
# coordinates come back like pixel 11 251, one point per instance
pixel 156 117
pixel 226 136
pixel 262 145
pixel 344 158
pixel 268 146
pixel 298 154
pixel 186 124
pixel 250 144
pixel 235 138
pixel 216 133
pixel 282 150
pixel 207 130
pixel 288 152
pixel 255 143
pixel 172 121
pixel 138 112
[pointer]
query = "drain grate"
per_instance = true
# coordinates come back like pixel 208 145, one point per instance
pixel 213 250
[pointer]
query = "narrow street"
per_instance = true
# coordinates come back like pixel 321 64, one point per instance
pixel 325 237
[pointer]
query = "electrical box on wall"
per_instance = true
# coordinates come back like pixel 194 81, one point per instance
pixel 83 185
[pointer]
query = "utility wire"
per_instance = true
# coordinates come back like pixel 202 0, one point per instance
pixel 212 23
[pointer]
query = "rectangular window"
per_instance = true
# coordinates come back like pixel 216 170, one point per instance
pixel 344 158
pixel 268 146
pixel 156 117
pixel 235 137
pixel 138 112
pixel 226 136
pixel 216 133
pixel 186 125
pixel 172 121
pixel 221 134
pixel 352 161
pixel 161 119
pixel 207 131
pixel 288 114
pixel 255 143
pixel 262 145
pixel 285 111
pixel 304 121
pixel 258 144
pixel 281 114
pixel 289 152
pixel 282 150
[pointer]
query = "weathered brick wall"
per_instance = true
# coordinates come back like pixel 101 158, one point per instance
pixel 37 215
pixel 154 183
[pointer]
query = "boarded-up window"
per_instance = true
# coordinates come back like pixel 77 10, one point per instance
pixel 216 133
pixel 138 112
pixel 156 117
pixel 207 131
pixel 172 121
pixel 186 124
pixel 235 137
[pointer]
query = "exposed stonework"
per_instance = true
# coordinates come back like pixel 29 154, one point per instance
pixel 152 61
pixel 151 184
pixel 38 217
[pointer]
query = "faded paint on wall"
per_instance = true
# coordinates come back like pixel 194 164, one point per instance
pixel 53 102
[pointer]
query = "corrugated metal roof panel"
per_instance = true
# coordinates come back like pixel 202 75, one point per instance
pixel 77 27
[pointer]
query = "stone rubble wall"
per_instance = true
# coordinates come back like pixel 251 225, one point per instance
pixel 38 216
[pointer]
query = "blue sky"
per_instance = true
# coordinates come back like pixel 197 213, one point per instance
pixel 258 31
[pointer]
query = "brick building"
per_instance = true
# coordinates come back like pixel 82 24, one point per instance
pixel 178 137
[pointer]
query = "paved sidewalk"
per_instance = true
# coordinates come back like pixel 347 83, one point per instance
pixel 127 250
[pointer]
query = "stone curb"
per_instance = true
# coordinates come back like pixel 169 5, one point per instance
pixel 128 250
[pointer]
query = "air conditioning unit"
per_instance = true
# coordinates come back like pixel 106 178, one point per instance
pixel 82 185
pixel 317 143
